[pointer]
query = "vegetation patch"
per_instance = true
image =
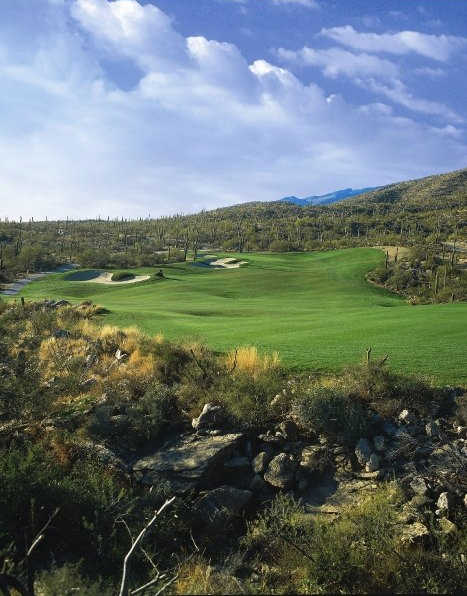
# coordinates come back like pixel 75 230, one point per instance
pixel 122 276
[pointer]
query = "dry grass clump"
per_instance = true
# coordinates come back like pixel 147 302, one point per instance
pixel 248 359
pixel 57 357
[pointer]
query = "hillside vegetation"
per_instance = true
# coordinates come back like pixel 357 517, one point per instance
pixel 422 213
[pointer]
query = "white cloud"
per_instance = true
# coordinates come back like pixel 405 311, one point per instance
pixel 397 91
pixel 427 71
pixel 307 3
pixel 437 47
pixel 336 61
pixel 200 129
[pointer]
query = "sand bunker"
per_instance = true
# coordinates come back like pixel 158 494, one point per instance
pixel 229 263
pixel 106 278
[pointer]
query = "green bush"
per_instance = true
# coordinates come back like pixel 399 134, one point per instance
pixel 327 411
pixel 357 552
pixel 387 392
pixel 134 423
pixel 122 276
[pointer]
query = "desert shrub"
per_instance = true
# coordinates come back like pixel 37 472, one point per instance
pixel 325 410
pixel 357 552
pixel 279 246
pixel 134 423
pixel 246 398
pixel 380 275
pixel 247 359
pixel 122 276
pixel 388 392
pixel 68 581
pixel 199 576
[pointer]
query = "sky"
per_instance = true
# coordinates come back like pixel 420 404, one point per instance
pixel 131 108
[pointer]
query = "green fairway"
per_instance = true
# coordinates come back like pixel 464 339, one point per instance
pixel 316 309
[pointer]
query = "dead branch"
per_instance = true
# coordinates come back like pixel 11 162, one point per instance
pixel 137 541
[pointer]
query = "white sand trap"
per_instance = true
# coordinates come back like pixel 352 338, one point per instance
pixel 229 263
pixel 106 278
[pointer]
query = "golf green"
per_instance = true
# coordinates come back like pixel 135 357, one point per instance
pixel 316 309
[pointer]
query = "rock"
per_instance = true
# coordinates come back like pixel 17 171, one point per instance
pixel 237 463
pixel 281 471
pixel 289 430
pixel 261 461
pixel 102 454
pixel 363 451
pixel 222 504
pixel 420 501
pixel 60 303
pixel 257 483
pixel 443 502
pixel 210 417
pixel 406 417
pixel 120 355
pixel 379 442
pixel 414 533
pixel 62 334
pixel 88 383
pixel 418 485
pixel 189 461
pixel 432 429
pixel 377 475
pixel 447 526
pixel 313 459
pixel 271 439
pixel 373 463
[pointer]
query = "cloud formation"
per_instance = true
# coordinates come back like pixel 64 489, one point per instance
pixel 336 61
pixel 437 47
pixel 199 128
pixel 306 3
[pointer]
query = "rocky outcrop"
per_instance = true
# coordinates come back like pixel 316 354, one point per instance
pixel 188 462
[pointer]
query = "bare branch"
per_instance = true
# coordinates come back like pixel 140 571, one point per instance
pixel 137 541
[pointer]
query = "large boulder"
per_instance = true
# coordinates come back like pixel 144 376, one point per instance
pixel 281 471
pixel 220 505
pixel 189 462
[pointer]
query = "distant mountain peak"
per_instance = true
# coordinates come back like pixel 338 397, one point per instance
pixel 331 197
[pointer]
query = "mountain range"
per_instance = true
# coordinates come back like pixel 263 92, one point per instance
pixel 330 197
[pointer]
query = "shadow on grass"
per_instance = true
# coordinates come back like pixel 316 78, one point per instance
pixel 83 275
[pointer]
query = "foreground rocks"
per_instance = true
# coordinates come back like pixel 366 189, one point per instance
pixel 426 457
pixel 188 462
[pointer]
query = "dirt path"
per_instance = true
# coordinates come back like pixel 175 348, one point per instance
pixel 15 287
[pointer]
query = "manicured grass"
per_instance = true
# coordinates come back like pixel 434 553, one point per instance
pixel 316 309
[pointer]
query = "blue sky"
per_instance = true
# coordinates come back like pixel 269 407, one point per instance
pixel 127 107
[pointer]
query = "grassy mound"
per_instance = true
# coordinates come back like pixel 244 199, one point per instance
pixel 122 276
